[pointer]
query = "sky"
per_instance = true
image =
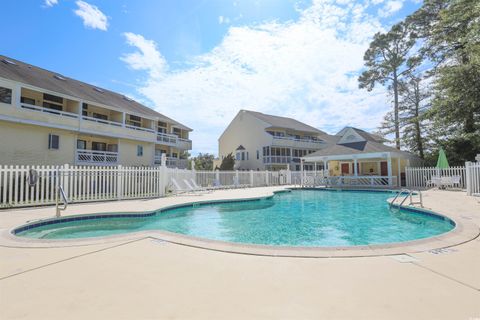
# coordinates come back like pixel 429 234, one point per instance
pixel 201 61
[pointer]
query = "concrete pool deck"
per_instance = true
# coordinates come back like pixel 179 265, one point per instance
pixel 142 277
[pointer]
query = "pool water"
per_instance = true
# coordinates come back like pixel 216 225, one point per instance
pixel 298 218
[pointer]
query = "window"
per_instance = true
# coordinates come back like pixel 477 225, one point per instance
pixel 99 146
pixel 51 97
pixel 258 154
pixel 247 155
pixel 177 132
pixel 53 141
pixel 237 156
pixel 85 109
pixel 162 127
pixel 243 156
pixel 134 121
pixel 112 148
pixel 5 95
pixel 27 100
pixel 139 151
pixel 266 151
pixel 81 144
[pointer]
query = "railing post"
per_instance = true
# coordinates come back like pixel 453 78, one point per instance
pixel 66 181
pixel 119 182
pixel 468 178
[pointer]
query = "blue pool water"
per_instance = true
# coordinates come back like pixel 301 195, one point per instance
pixel 297 218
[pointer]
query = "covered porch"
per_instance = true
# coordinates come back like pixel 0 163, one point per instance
pixel 363 169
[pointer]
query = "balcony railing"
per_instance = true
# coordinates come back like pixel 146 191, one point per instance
pixel 49 110
pixel 139 128
pixel 112 123
pixel 277 159
pixel 184 144
pixel 176 163
pixel 166 138
pixel 96 157
pixel 299 143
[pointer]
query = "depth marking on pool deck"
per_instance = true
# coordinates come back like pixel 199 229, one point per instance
pixel 71 258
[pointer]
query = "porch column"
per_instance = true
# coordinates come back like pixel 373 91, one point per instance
pixel 17 96
pixel 389 168
pixel 355 169
pixel 123 119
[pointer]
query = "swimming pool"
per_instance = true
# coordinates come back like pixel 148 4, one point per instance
pixel 308 218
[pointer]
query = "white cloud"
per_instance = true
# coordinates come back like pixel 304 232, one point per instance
pixel 51 3
pixel 147 57
pixel 390 8
pixel 92 16
pixel 306 69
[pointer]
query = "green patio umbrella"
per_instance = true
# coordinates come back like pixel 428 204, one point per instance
pixel 442 162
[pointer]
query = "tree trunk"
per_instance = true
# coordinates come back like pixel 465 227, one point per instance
pixel 418 133
pixel 397 123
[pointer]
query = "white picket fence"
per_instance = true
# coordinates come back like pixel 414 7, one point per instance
pixel 418 177
pixel 473 178
pixel 469 176
pixel 84 183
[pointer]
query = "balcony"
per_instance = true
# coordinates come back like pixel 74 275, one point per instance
pixel 139 128
pixel 97 120
pixel 167 139
pixel 297 143
pixel 277 159
pixel 184 144
pixel 177 163
pixel 93 157
pixel 49 110
pixel 174 141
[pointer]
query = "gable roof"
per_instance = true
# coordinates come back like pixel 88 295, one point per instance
pixel 28 74
pixel 284 122
pixel 364 134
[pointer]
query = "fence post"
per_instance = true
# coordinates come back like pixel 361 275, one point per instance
pixel 267 178
pixel 468 178
pixel 119 182
pixel 289 176
pixel 66 180
pixel 236 177
pixel 217 175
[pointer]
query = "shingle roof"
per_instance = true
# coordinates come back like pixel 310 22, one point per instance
pixel 354 148
pixel 364 134
pixel 38 77
pixel 284 122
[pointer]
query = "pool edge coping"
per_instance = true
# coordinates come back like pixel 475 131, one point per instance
pixel 462 232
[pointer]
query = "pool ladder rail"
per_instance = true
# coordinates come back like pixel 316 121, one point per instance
pixel 61 193
pixel 409 195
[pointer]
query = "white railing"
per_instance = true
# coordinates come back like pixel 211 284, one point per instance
pixel 176 163
pixel 49 110
pixel 139 128
pixel 166 138
pixel 294 142
pixel 94 157
pixel 363 181
pixel 102 183
pixel 277 159
pixel 473 178
pixel 419 177
pixel 112 123
pixel 184 144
